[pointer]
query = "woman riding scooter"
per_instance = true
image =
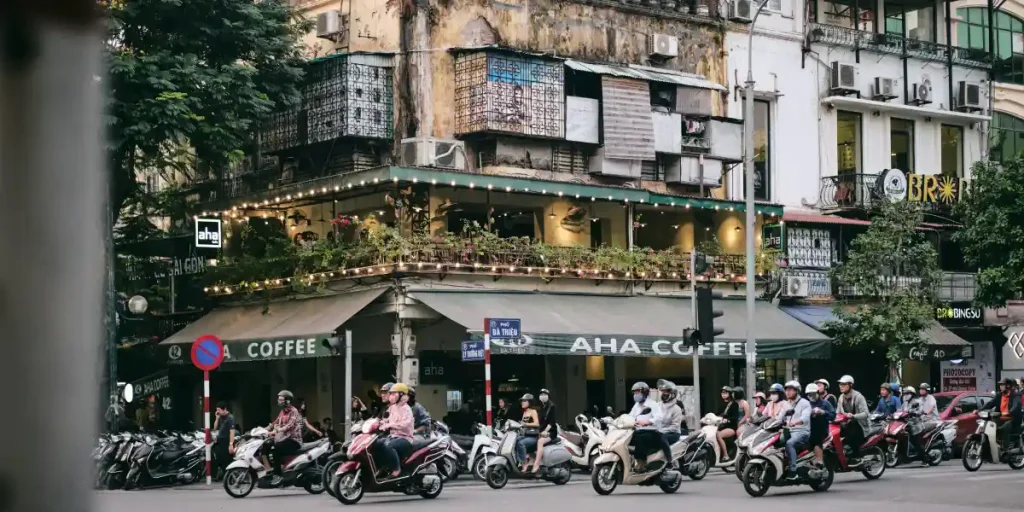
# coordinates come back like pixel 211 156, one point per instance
pixel 527 442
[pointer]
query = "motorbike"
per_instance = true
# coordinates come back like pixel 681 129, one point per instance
pixel 936 440
pixel 105 454
pixel 485 445
pixel 703 452
pixel 616 464
pixel 838 454
pixel 767 463
pixel 303 469
pixel 584 445
pixel 556 463
pixel 749 434
pixel 335 459
pixel 117 472
pixel 454 459
pixel 179 458
pixel 361 473
pixel 983 445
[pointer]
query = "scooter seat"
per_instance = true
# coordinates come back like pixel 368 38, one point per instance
pixel 309 446
pixel 873 430
pixel 419 444
pixel 572 437
pixel 172 454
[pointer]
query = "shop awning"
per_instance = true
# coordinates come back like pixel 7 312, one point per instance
pixel 648 74
pixel 816 315
pixel 278 330
pixel 572 324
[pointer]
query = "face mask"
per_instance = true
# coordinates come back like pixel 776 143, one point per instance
pixel 638 398
pixel 543 399
pixel 774 397
pixel 282 405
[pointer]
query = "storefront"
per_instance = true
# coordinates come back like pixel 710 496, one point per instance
pixel 1013 354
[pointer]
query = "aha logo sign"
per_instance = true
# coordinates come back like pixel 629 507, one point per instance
pixel 208 233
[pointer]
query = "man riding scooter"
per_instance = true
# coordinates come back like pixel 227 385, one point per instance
pixel 648 417
pixel 799 426
pixel 851 402
pixel 1009 406
pixel 672 415
pixel 888 403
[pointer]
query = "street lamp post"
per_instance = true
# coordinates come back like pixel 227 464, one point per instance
pixel 751 219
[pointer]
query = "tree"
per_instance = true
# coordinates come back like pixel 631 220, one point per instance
pixel 992 237
pixel 190 80
pixel 895 269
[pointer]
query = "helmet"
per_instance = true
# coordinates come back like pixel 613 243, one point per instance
pixel 386 387
pixel 925 386
pixel 811 388
pixel 739 393
pixel 776 388
pixel 895 387
pixel 526 398
pixel 793 384
pixel 665 385
pixel 728 389
pixel 760 395
pixel 641 387
pixel 399 388
pixel 287 395
pixel 909 390
pixel 1009 382
pixel 544 391
pixel 846 379
pixel 412 392
pixel 823 382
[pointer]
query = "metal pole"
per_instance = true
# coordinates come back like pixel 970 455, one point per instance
pixel 487 373
pixel 206 424
pixel 172 310
pixel 751 220
pixel 348 385
pixel 51 153
pixel 693 320
pixel 110 320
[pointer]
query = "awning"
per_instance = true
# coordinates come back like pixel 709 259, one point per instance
pixel 642 326
pixel 646 73
pixel 278 330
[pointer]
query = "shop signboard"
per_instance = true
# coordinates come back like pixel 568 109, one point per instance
pixel 772 237
pixel 653 346
pixel 152 384
pixel 1013 353
pixel 472 351
pixel 929 189
pixel 959 378
pixel 959 314
pixel 261 350
pixel 208 233
pixel 937 353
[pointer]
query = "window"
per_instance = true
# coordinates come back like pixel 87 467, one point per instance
pixel 762 149
pixel 842 13
pixel 969 403
pixel 1007 137
pixel 952 150
pixel 972 33
pixel 913 22
pixel 901 144
pixel 848 128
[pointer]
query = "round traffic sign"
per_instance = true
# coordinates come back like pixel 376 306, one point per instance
pixel 207 352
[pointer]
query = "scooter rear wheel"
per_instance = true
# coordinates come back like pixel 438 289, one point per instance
pixel 703 466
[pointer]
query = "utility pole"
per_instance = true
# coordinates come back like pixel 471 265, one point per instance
pixel 693 323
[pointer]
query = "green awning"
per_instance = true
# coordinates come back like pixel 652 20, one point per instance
pixel 643 326
pixel 696 202
pixel 279 330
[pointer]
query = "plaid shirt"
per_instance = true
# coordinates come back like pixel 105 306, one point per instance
pixel 288 425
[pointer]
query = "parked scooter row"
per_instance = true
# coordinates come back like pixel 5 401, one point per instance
pixel 130 461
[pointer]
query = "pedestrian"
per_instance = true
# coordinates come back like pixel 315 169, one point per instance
pixel 328 430
pixel 224 444
pixel 310 432
pixel 359 410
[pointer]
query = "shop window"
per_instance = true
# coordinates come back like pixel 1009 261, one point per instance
pixel 848 142
pixel 505 221
pixel 972 33
pixel 901 144
pixel 596 233
pixel 848 14
pixel 1007 137
pixel 952 150
pixel 453 400
pixel 912 21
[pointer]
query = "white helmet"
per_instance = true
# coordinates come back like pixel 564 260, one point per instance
pixel 793 384
pixel 909 390
pixel 811 388
pixel 822 382
pixel 846 379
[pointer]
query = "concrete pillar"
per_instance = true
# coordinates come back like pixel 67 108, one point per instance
pixel 615 382
pixel 575 387
pixel 324 388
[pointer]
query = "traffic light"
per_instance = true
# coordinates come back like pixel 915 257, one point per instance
pixel 691 337
pixel 706 315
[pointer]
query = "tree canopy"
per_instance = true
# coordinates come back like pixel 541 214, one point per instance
pixel 992 237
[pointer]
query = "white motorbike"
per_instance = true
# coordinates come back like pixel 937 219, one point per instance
pixel 983 445
pixel 585 445
pixel 303 469
pixel 616 464
pixel 703 451
pixel 450 466
pixel 485 446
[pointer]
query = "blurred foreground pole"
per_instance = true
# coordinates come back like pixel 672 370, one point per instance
pixel 52 194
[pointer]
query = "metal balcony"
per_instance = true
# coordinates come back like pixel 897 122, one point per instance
pixel 849 191
pixel 957 286
pixel 897 45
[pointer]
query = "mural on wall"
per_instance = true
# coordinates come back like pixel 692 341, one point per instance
pixel 575 219
pixel 509 93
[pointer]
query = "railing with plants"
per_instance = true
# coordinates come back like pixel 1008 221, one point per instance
pixel 276 263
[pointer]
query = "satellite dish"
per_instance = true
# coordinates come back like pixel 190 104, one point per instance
pixel 128 393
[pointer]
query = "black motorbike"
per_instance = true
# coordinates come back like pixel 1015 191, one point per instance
pixel 178 458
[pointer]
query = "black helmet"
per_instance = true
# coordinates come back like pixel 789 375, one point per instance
pixel 1009 382
pixel 738 393
pixel 526 398
pixel 641 387
pixel 667 389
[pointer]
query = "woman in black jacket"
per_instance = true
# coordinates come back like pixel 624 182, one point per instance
pixel 548 427
pixel 731 414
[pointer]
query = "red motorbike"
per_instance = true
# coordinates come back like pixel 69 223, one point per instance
pixel 871 459
pixel 933 440
pixel 361 473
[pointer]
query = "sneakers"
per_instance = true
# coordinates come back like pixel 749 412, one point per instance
pixel 791 475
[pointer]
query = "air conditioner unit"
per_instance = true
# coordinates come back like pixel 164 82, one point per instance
pixel 431 152
pixel 328 24
pixel 663 45
pixel 844 77
pixel 795 286
pixel 884 89
pixel 921 93
pixel 968 97
pixel 741 11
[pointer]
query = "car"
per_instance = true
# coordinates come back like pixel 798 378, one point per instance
pixel 961 406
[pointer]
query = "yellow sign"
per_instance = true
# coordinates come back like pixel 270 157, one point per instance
pixel 935 189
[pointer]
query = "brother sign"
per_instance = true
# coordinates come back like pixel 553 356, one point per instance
pixel 208 233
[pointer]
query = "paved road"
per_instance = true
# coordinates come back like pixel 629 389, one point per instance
pixel 947 488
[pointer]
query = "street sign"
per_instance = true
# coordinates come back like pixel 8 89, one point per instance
pixel 207 352
pixel 504 330
pixel 472 351
pixel 208 233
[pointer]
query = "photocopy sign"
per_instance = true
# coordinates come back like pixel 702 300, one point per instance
pixel 208 233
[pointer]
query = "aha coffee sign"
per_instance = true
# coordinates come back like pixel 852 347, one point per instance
pixel 208 233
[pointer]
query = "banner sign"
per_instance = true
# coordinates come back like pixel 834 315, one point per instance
pixel 959 314
pixel 261 350
pixel 937 353
pixel 959 379
pixel 152 384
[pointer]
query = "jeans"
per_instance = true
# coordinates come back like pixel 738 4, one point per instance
pixel 391 451
pixel 282 449
pixel 796 438
pixel 525 446
pixel 221 457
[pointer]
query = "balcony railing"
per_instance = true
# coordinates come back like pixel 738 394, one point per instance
pixel 154 328
pixel 897 45
pixel 957 286
pixel 849 191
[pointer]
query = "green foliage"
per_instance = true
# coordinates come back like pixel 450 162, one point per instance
pixel 894 267
pixel 992 237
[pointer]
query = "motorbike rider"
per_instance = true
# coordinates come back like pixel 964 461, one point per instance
pixel 1010 411
pixel 548 427
pixel 740 396
pixel 799 425
pixel 929 409
pixel 852 402
pixel 399 425
pixel 776 401
pixel 286 429
pixel 646 438
pixel 760 402
pixel 910 399
pixel 824 393
pixel 527 442
pixel 822 413
pixel 730 415
pixel 382 409
pixel 888 403
pixel 672 416
pixel 421 418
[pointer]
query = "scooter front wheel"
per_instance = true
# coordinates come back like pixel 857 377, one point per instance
pixel 497 477
pixel 757 479
pixel 348 489
pixel 329 470
pixel 605 478
pixel 972 455
pixel 239 482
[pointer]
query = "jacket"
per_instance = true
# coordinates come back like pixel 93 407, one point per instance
pixel 858 408
pixel 1015 405
pixel 888 405
pixel 732 414
pixel 671 418
pixel 819 422
pixel 655 416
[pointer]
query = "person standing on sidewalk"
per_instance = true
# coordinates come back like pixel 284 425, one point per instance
pixel 224 444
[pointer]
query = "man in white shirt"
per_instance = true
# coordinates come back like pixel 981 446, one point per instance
pixel 648 415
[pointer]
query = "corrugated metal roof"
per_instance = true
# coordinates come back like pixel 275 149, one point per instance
pixel 646 73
